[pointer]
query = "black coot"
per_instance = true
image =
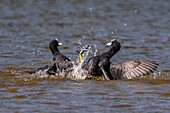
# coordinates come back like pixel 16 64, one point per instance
pixel 100 64
pixel 61 62
pixel 130 69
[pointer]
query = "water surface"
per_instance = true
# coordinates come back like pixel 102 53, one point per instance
pixel 26 28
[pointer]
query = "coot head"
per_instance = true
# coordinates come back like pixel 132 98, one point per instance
pixel 115 47
pixel 114 43
pixel 53 45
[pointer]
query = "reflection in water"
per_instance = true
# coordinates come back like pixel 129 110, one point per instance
pixel 26 28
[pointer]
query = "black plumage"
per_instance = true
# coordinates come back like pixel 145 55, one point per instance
pixel 132 69
pixel 61 62
pixel 100 64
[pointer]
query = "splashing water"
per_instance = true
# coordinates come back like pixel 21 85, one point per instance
pixel 79 42
pixel 78 72
pixel 95 52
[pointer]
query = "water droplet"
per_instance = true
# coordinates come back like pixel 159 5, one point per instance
pixel 125 24
pixel 79 42
pixel 91 10
pixel 95 53
pixel 92 28
pixel 123 51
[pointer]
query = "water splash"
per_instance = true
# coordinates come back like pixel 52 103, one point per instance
pixel 41 73
pixel 91 9
pixel 78 72
pixel 79 42
pixel 95 52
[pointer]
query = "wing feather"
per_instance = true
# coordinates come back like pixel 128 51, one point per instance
pixel 132 69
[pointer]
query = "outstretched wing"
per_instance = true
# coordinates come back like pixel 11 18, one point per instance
pixel 132 69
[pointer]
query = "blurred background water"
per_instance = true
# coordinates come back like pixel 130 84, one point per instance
pixel 26 28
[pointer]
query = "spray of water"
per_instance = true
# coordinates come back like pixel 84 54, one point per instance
pixel 95 52
pixel 78 72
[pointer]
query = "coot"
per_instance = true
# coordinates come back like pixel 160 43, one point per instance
pixel 100 64
pixel 61 62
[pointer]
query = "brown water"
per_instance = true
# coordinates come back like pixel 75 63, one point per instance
pixel 26 28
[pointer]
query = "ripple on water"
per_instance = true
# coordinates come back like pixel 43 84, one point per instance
pixel 25 32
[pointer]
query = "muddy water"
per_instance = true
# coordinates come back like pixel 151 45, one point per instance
pixel 26 27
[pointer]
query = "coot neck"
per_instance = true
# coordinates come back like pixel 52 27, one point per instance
pixel 111 52
pixel 55 51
